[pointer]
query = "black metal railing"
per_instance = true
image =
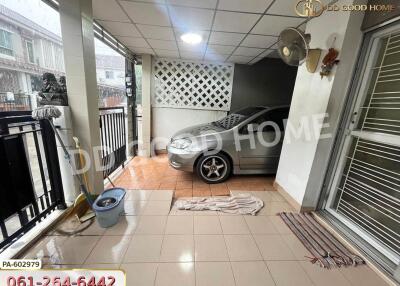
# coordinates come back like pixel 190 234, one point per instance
pixel 30 179
pixel 113 138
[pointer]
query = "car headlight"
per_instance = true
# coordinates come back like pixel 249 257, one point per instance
pixel 183 143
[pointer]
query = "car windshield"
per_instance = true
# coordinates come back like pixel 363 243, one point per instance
pixel 237 117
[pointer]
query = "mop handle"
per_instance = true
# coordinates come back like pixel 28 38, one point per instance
pixel 68 157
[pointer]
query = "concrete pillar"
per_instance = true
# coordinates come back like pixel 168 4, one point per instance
pixel 146 106
pixel 80 67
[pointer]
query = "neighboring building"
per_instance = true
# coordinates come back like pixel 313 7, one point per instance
pixel 27 50
pixel 110 72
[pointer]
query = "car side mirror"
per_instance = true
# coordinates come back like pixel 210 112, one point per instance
pixel 253 127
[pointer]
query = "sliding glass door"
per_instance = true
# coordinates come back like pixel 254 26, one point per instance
pixel 365 187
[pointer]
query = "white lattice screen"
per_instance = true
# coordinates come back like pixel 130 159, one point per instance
pixel 196 85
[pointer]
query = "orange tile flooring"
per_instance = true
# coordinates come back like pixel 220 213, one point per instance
pixel 156 174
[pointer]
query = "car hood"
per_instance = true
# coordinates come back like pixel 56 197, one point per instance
pixel 197 130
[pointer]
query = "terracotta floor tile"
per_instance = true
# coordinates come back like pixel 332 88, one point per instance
pixel 220 192
pixel 202 192
pixel 184 185
pixel 156 174
pixel 183 193
pixel 167 186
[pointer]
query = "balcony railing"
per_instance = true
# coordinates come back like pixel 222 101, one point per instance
pixel 30 179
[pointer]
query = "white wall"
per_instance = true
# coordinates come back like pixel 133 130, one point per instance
pixel 167 121
pixel 310 98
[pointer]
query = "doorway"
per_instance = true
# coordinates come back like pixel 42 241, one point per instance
pixel 364 186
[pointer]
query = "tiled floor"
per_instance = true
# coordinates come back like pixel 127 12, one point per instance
pixel 155 174
pixel 159 246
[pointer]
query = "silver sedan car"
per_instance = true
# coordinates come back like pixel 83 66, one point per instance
pixel 247 141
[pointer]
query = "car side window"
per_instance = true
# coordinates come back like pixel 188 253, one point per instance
pixel 278 116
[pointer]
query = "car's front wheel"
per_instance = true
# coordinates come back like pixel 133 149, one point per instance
pixel 214 169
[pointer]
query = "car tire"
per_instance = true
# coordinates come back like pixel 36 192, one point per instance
pixel 214 169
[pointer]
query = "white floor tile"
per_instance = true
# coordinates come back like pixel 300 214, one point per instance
pixel 207 225
pixel 151 225
pixel 254 273
pixel 138 195
pixel 109 249
pixel 140 274
pixel 242 248
pixel 234 225
pixel 177 248
pixel 174 274
pixel 288 273
pixel 134 207
pixel 362 275
pixel 295 245
pixel 162 195
pixel 261 225
pixel 210 247
pixel 214 274
pixel 157 208
pixel 125 226
pixel 75 250
pixel 322 276
pixel 179 225
pixel 273 247
pixel 144 248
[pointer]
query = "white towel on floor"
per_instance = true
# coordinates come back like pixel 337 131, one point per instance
pixel 240 204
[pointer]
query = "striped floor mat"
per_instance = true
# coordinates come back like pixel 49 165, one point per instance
pixel 326 250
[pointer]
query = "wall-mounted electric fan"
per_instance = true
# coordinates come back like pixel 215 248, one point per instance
pixel 293 48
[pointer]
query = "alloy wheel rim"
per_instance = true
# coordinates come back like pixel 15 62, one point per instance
pixel 213 168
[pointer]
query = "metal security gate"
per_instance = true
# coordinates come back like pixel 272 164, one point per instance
pixel 113 138
pixel 364 189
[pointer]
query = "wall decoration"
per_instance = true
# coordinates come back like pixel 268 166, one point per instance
pixel 329 61
pixel 193 85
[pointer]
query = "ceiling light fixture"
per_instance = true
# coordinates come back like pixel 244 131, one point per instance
pixel 191 38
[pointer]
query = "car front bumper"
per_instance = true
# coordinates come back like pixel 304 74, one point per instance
pixel 182 160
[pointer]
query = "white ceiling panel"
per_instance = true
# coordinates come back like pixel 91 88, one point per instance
pixel 120 29
pixel 234 22
pixel 194 3
pixel 273 25
pixel 249 52
pixel 141 50
pixel 201 48
pixel 256 6
pixel 163 45
pixel 191 18
pixel 167 53
pixel 191 56
pixel 258 41
pixel 215 57
pixel 147 13
pixel 134 42
pixel 283 8
pixel 156 32
pixel 108 10
pixel 218 49
pixel 236 30
pixel 240 59
pixel 222 38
